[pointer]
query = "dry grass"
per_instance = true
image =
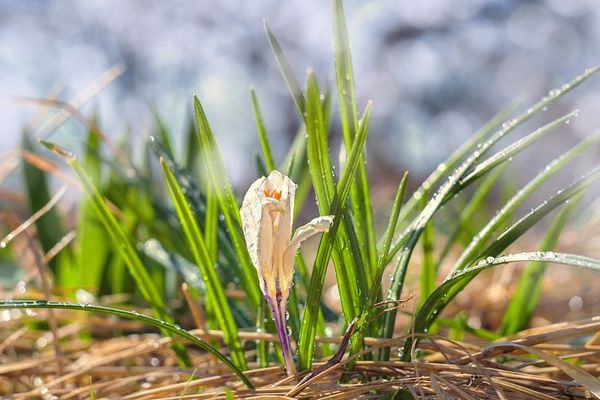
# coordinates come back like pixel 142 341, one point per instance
pixel 122 361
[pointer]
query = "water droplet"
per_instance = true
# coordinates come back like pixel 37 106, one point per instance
pixel 575 303
pixel 489 259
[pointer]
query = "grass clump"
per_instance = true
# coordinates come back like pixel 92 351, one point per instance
pixel 148 237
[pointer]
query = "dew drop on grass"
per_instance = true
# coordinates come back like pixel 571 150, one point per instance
pixel 489 259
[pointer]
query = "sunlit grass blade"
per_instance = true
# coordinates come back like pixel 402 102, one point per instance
pixel 514 148
pixel 49 227
pixel 362 212
pixel 444 293
pixel 93 250
pixel 482 148
pixel 205 263
pixel 122 243
pixel 324 183
pixel 428 274
pixel 535 215
pixel 211 220
pixel 163 132
pixel 434 305
pixel 198 199
pixel 525 299
pixel 414 232
pixel 332 200
pixel 192 147
pixel 188 271
pixel 368 308
pixel 476 245
pixel 286 71
pixel 471 208
pixel 223 191
pixel 163 325
pixel 441 171
pixel 262 133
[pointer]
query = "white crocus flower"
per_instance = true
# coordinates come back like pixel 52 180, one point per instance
pixel 267 212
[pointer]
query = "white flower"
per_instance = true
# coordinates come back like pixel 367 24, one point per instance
pixel 267 212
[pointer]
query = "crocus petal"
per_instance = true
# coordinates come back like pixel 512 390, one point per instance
pixel 317 225
pixel 251 213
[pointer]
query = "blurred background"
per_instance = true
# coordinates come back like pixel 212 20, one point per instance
pixel 435 70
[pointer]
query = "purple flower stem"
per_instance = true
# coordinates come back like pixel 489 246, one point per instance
pixel 278 314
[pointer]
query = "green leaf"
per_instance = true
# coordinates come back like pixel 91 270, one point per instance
pixel 475 247
pixel 362 212
pixel 332 201
pixel 439 299
pixel 368 309
pixel 428 275
pixel 220 185
pixel 205 263
pixel 514 148
pixel 163 132
pixel 286 71
pixel 469 210
pixel 163 325
pixel 122 243
pixel 525 299
pixel 455 283
pixel 49 227
pixel 262 133
pixel 475 147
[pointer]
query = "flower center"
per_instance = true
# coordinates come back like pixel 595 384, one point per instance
pixel 274 194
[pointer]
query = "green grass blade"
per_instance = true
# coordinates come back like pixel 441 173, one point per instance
pixel 534 216
pixel 286 71
pixel 120 240
pixel 440 298
pixel 122 244
pixel 332 201
pixel 469 210
pixel 211 220
pixel 368 309
pixel 434 305
pixel 480 149
pixel 360 196
pixel 164 326
pixel 49 227
pixel 205 263
pixel 324 183
pixel 93 248
pixel 525 299
pixel 476 246
pixel 508 152
pixel 192 147
pixel 428 275
pixel 449 164
pixel 227 203
pixel 262 133
pixel 163 132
